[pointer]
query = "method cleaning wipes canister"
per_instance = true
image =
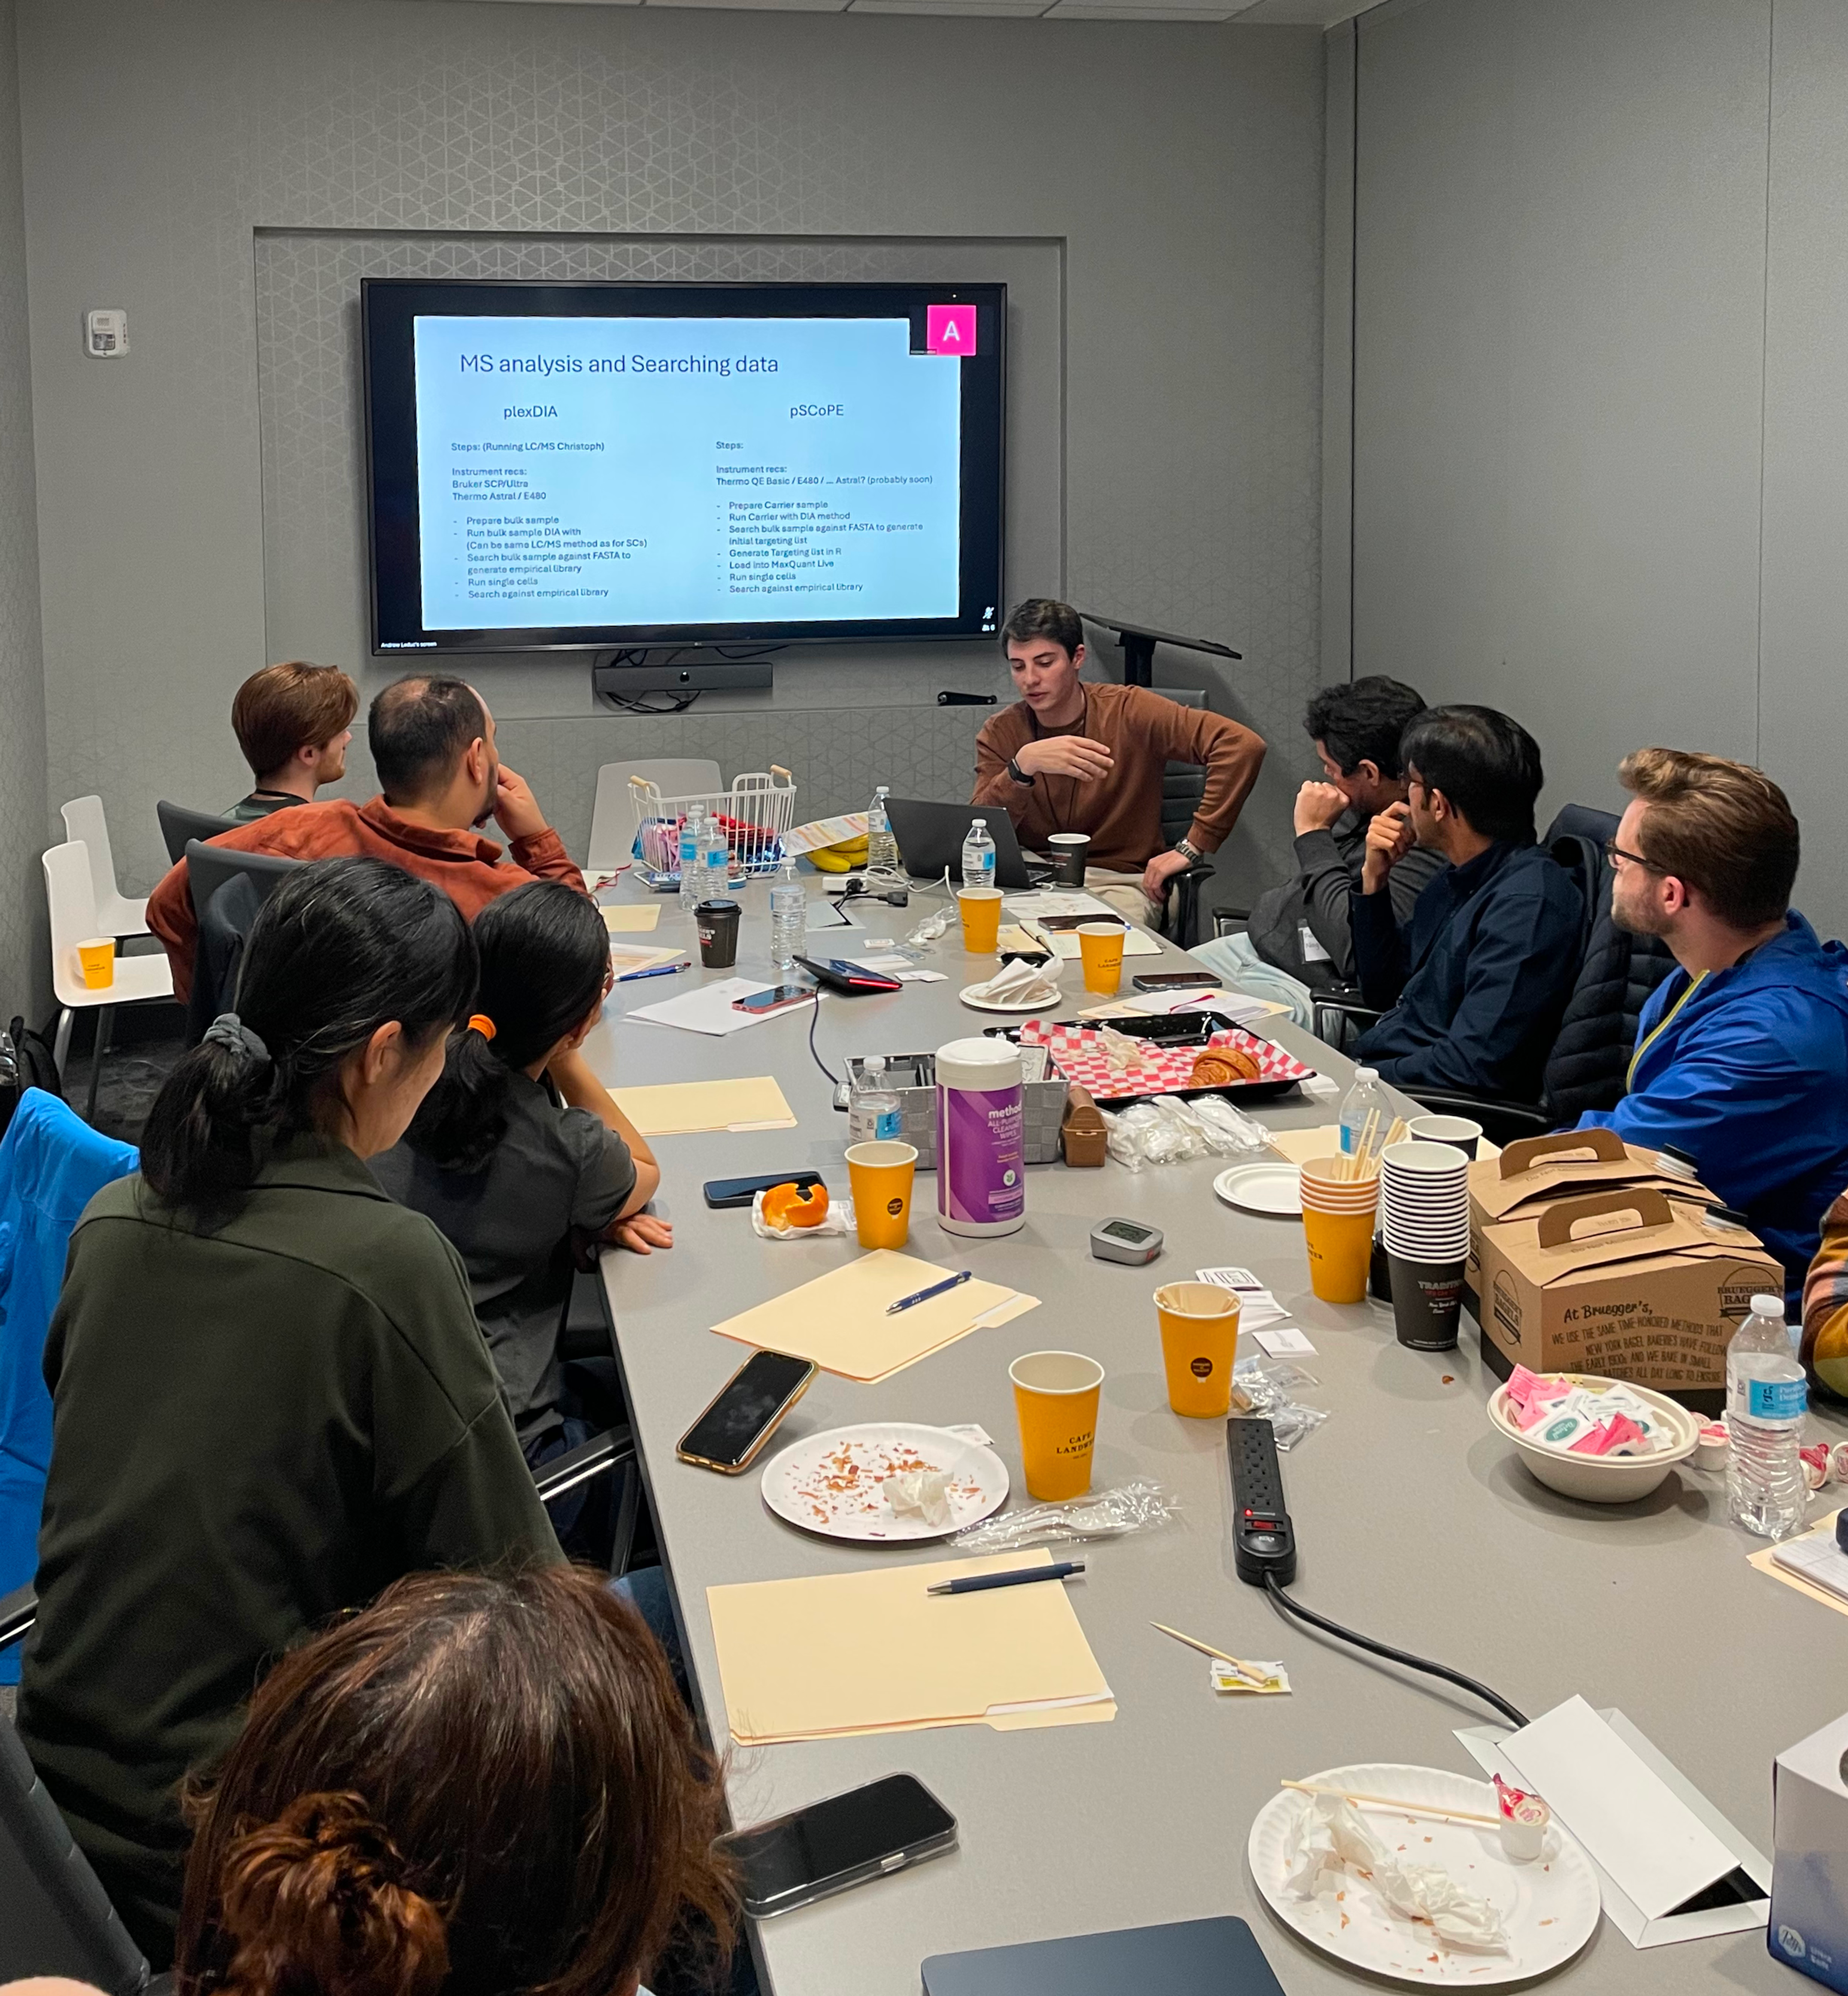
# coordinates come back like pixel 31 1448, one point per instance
pixel 981 1166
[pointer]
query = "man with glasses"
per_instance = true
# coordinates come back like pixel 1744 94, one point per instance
pixel 1742 1053
pixel 1478 978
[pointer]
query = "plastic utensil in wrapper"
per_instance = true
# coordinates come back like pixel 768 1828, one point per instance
pixel 1168 1130
pixel 1261 1386
pixel 1101 1514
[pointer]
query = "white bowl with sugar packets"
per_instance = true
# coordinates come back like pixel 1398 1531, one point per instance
pixel 1602 1479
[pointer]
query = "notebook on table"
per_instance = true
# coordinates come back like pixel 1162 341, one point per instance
pixel 1217 1957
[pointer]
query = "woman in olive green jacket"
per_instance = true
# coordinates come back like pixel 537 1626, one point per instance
pixel 270 1395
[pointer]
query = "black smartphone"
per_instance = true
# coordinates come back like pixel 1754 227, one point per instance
pixel 852 980
pixel 1174 980
pixel 813 1852
pixel 727 1436
pixel 740 1192
pixel 775 999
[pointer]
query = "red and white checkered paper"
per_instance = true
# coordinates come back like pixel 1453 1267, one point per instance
pixel 1077 1051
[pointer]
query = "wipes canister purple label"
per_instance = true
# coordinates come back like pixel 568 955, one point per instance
pixel 981 1177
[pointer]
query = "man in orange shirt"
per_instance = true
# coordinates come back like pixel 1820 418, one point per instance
pixel 432 741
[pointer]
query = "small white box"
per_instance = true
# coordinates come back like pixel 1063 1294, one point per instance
pixel 1809 1867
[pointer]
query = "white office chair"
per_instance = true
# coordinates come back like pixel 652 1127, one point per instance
pixel 613 816
pixel 116 914
pixel 71 899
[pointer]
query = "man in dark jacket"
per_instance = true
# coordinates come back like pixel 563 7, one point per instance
pixel 1302 926
pixel 1477 982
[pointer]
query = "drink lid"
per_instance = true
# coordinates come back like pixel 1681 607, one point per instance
pixel 1769 1306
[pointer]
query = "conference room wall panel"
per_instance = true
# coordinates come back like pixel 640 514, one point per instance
pixel 1171 173
pixel 25 983
pixel 1600 421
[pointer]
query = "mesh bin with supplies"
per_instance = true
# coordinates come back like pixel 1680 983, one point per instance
pixel 756 812
pixel 913 1079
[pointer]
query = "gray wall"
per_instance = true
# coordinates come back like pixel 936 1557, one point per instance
pixel 1153 191
pixel 1600 425
pixel 25 979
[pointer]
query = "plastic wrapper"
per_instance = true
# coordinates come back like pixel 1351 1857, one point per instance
pixel 1264 1384
pixel 1237 1134
pixel 1102 1514
pixel 1168 1130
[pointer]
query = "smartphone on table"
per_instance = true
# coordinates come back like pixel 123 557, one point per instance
pixel 810 1853
pixel 740 1192
pixel 728 1435
pixel 775 999
pixel 1174 980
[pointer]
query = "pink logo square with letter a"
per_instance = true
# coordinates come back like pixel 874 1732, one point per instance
pixel 950 329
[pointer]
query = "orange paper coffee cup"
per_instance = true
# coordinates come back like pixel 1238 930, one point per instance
pixel 1055 1403
pixel 880 1173
pixel 1199 1340
pixel 1341 1248
pixel 98 961
pixel 1100 949
pixel 981 908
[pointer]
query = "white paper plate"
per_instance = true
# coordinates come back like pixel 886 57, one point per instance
pixel 1550 1908
pixel 967 994
pixel 830 1483
pixel 1274 1188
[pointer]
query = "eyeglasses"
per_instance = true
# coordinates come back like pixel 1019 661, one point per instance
pixel 1613 852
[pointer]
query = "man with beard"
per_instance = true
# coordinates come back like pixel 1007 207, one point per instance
pixel 432 743
pixel 1742 1054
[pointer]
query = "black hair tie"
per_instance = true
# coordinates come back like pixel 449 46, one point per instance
pixel 228 1030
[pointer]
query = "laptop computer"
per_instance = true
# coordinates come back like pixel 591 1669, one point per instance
pixel 929 838
pixel 1216 1957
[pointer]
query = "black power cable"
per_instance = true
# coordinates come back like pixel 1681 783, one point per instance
pixel 1275 1590
pixel 815 1012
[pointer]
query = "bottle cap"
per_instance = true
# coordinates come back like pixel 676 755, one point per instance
pixel 1769 1306
pixel 1366 1074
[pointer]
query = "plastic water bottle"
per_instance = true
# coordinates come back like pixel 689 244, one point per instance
pixel 882 847
pixel 693 860
pixel 978 856
pixel 872 1109
pixel 1766 1398
pixel 1358 1103
pixel 789 917
pixel 718 857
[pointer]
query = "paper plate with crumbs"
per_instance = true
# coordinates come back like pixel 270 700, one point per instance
pixel 885 1481
pixel 1414 1895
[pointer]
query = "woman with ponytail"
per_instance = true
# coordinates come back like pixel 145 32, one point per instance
pixel 482 1785
pixel 270 1396
pixel 519 1155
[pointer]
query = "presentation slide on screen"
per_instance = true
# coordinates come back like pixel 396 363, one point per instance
pixel 683 471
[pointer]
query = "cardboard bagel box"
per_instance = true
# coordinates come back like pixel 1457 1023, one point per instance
pixel 1585 1256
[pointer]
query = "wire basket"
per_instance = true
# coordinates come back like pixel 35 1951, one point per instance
pixel 757 813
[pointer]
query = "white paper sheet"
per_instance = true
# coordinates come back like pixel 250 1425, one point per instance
pixel 1287 1343
pixel 710 1010
pixel 1488 1745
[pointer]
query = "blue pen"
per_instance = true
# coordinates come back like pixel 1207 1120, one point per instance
pixel 661 970
pixel 924 1295
pixel 980 1583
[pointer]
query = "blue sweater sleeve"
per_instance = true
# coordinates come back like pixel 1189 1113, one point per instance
pixel 1522 955
pixel 1381 961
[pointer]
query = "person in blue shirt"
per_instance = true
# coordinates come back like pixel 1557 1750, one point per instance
pixel 1477 978
pixel 1742 1053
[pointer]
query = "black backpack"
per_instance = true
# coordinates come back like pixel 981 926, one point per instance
pixel 25 1061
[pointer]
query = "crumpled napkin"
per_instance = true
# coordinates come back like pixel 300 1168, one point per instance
pixel 1329 1838
pixel 1019 983
pixel 920 1493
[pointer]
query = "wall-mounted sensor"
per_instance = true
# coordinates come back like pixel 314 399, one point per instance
pixel 106 334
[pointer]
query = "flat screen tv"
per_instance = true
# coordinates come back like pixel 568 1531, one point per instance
pixel 587 466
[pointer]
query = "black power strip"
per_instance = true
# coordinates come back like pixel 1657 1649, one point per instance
pixel 1264 1542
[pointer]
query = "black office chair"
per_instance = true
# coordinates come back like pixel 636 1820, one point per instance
pixel 1183 785
pixel 178 823
pixel 209 867
pixel 227 889
pixel 55 1917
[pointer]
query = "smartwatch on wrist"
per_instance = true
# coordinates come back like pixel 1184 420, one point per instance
pixel 1018 774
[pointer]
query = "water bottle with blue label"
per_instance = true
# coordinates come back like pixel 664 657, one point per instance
pixel 693 860
pixel 1357 1104
pixel 873 1109
pixel 979 855
pixel 718 857
pixel 1765 1400
pixel 789 917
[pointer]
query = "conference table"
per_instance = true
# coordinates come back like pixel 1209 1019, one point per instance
pixel 1415 1523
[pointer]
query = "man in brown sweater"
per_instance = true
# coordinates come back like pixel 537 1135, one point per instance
pixel 1074 756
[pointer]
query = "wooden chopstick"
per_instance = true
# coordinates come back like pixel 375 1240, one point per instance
pixel 1390 1801
pixel 1245 1669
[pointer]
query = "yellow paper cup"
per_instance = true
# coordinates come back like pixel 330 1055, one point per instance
pixel 1199 1340
pixel 1055 1403
pixel 981 908
pixel 1340 1247
pixel 1100 947
pixel 880 1174
pixel 97 958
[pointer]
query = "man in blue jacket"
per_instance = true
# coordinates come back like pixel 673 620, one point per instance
pixel 1742 1054
pixel 1477 978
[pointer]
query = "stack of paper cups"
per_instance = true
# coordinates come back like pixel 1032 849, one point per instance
pixel 1337 1227
pixel 1424 1208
